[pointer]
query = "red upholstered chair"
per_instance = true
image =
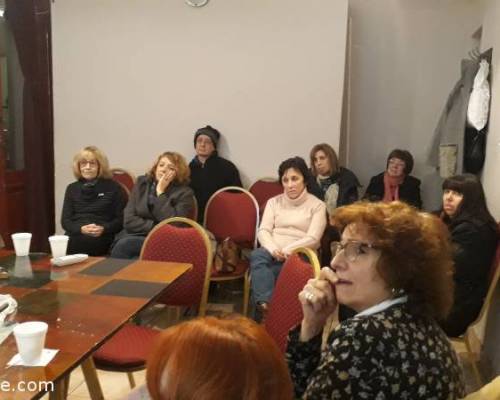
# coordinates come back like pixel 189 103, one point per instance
pixel 233 212
pixel 127 351
pixel 124 177
pixel 263 189
pixel 182 240
pixel 175 239
pixel 469 338
pixel 285 310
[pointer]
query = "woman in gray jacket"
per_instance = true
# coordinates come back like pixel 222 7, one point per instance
pixel 160 194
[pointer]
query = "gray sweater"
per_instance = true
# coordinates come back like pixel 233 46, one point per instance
pixel 140 217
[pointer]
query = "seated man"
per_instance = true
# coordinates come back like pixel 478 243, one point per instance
pixel 209 172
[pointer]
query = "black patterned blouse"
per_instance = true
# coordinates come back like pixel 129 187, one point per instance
pixel 388 355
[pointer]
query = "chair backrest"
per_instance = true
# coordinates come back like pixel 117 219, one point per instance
pixel 265 188
pixel 285 310
pixel 125 190
pixel 182 240
pixel 124 177
pixel 233 212
pixel 494 277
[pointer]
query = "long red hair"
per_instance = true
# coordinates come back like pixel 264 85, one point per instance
pixel 217 358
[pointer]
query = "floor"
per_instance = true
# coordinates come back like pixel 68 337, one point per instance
pixel 225 299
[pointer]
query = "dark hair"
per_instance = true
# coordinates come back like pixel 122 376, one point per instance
pixel 298 164
pixel 404 155
pixel 416 252
pixel 473 207
pixel 329 152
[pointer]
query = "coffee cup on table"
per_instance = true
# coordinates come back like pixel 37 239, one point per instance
pixel 58 245
pixel 21 243
pixel 30 340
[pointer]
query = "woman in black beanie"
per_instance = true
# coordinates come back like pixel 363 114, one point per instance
pixel 209 172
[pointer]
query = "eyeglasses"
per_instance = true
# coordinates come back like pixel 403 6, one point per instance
pixel 92 163
pixel 352 249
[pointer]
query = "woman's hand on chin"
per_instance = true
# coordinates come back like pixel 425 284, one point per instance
pixel 164 182
pixel 318 303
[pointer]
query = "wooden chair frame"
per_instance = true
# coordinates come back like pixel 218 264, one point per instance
pixel 208 247
pixel 246 275
pixel 469 338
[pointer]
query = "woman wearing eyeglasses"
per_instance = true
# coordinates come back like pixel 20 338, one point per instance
pixel 396 183
pixel 93 205
pixel 160 194
pixel 393 266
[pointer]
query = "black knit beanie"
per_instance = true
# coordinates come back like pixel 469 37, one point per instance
pixel 212 133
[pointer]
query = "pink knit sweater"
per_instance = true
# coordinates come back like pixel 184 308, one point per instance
pixel 288 224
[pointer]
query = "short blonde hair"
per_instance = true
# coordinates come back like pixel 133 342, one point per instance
pixel 102 160
pixel 183 172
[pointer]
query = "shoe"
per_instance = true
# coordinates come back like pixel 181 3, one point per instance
pixel 262 309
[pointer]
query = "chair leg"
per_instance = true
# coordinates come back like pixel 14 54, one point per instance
pixel 246 294
pixel 472 358
pixel 131 379
pixel 91 379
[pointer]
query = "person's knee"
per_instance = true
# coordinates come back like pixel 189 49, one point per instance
pixel 260 255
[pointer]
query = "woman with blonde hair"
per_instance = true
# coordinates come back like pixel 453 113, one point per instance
pixel 393 267
pixel 93 205
pixel 217 358
pixel 160 194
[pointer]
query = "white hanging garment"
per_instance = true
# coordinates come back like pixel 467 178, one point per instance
pixel 479 101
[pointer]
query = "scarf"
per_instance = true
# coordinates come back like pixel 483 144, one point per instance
pixel 391 187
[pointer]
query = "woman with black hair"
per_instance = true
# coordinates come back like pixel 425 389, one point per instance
pixel 291 220
pixel 474 234
pixel 396 183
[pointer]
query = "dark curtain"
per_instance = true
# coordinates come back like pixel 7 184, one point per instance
pixel 29 22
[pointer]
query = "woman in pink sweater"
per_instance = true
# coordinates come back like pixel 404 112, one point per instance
pixel 293 219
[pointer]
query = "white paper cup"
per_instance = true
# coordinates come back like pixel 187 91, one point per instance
pixel 30 340
pixel 58 245
pixel 21 243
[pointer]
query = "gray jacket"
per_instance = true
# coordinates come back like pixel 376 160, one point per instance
pixel 139 218
pixel 451 125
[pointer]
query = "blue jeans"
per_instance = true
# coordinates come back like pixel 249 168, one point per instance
pixel 128 247
pixel 264 270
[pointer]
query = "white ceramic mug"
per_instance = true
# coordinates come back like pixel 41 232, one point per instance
pixel 58 245
pixel 30 340
pixel 22 241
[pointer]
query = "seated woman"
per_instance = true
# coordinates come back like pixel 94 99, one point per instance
pixel 93 205
pixel 474 235
pixel 393 266
pixel 395 183
pixel 335 185
pixel 211 358
pixel 160 194
pixel 293 219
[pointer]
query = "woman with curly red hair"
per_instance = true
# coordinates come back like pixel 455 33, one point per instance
pixel 393 266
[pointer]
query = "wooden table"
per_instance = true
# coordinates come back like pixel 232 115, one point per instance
pixel 84 305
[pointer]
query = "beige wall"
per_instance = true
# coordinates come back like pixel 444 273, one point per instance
pixel 405 61
pixel 139 77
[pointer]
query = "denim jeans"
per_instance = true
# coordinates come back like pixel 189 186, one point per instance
pixel 264 270
pixel 128 247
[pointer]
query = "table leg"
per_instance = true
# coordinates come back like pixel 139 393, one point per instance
pixel 59 392
pixel 91 379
